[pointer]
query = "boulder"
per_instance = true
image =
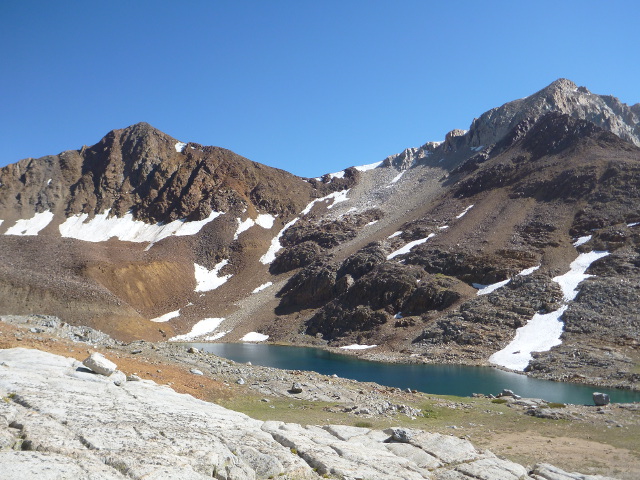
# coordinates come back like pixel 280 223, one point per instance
pixel 99 364
pixel 399 435
pixel 600 399
pixel 296 388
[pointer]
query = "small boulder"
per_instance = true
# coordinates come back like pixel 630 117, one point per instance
pixel 601 399
pixel 193 350
pixel 99 364
pixel 240 381
pixel 195 371
pixel 398 435
pixel 296 388
pixel 506 393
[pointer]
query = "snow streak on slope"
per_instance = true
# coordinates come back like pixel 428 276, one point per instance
pixel 337 197
pixel 31 226
pixel 275 246
pixel 203 327
pixel 407 248
pixel 166 317
pixel 102 227
pixel 464 212
pixel 543 331
pixel 262 287
pixel 485 289
pixel 208 279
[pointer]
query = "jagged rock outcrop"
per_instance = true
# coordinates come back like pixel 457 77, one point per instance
pixel 561 96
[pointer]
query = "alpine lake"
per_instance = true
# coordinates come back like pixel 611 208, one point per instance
pixel 435 379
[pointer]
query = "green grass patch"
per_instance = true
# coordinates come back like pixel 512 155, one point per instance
pixel 499 401
pixel 363 424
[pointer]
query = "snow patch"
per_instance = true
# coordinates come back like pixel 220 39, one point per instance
pixel 464 212
pixel 395 234
pixel 254 337
pixel 203 327
pixel 540 334
pixel 262 287
pixel 337 197
pixel 371 223
pixel 582 240
pixel 49 181
pixel 543 331
pixel 355 346
pixel 397 177
pixel 216 336
pixel 166 317
pixel 633 224
pixel 485 289
pixel 102 227
pixel 407 248
pixel 569 281
pixel 263 220
pixel 371 166
pixel 208 279
pixel 31 226
pixel 528 271
pixel 180 146
pixel 275 246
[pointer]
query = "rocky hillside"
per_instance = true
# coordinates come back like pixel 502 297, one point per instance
pixel 437 254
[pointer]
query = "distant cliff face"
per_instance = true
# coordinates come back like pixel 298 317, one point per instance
pixel 146 236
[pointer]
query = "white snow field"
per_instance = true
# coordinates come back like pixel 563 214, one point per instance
pixel 254 337
pixel 543 331
pixel 208 280
pixel 166 317
pixel 407 248
pixel 569 281
pixel 180 146
pixel 30 226
pixel 355 346
pixel 203 327
pixel 102 227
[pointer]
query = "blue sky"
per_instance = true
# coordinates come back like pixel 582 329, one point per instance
pixel 310 87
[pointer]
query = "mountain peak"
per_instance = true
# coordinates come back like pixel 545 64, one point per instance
pixel 562 84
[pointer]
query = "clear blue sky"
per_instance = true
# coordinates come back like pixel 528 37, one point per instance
pixel 308 86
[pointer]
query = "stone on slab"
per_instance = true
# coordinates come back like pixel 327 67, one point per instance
pixel 99 364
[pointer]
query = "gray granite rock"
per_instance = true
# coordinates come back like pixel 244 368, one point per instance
pixel 61 421
pixel 99 364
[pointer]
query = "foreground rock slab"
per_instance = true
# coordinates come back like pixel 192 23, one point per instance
pixel 58 420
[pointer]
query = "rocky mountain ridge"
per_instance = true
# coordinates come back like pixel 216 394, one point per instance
pixel 391 254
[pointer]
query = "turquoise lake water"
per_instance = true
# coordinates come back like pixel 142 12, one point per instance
pixel 436 379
